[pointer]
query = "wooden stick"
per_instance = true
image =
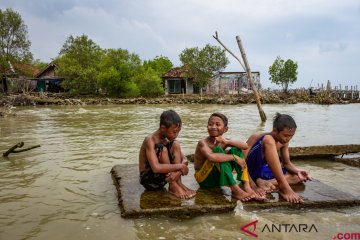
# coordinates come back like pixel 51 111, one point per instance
pixel 249 73
pixel 232 54
pixel 247 70
pixel 18 145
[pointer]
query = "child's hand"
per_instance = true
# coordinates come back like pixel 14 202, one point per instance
pixel 173 176
pixel 241 162
pixel 303 175
pixel 220 139
pixel 184 169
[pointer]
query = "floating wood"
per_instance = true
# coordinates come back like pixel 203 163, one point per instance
pixel 18 145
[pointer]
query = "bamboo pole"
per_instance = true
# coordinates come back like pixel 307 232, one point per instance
pixel 247 70
pixel 250 77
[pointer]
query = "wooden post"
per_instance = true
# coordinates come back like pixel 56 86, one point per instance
pixel 250 77
pixel 257 98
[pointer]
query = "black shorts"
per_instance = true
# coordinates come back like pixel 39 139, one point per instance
pixel 152 181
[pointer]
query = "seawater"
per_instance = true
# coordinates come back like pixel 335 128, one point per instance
pixel 63 190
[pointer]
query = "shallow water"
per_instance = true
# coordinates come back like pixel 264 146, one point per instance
pixel 63 190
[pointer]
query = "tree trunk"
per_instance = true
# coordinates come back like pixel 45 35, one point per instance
pixel 253 87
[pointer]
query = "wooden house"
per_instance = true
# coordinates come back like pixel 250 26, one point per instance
pixel 177 81
pixel 48 81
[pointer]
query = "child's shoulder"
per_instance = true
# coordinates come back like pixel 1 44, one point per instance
pixel 202 142
pixel 151 138
pixel 268 139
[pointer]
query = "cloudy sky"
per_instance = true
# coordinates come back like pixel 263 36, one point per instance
pixel 322 36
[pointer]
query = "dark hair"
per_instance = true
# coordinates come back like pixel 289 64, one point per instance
pixel 222 116
pixel 282 121
pixel 169 118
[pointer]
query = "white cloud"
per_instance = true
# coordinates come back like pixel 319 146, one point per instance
pixel 322 36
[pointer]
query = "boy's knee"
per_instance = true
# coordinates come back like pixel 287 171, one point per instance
pixel 164 156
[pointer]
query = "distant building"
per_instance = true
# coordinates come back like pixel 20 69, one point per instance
pixel 232 83
pixel 47 80
pixel 16 77
pixel 177 81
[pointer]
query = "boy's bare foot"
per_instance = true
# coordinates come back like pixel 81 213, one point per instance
pixel 291 196
pixel 266 185
pixel 238 193
pixel 189 192
pixel 259 197
pixel 177 190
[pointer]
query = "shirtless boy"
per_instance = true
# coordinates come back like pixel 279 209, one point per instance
pixel 264 164
pixel 161 160
pixel 214 165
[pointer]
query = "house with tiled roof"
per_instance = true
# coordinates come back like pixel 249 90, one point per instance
pixel 178 80
pixel 16 77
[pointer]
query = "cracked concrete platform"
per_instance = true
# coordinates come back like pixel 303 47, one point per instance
pixel 135 201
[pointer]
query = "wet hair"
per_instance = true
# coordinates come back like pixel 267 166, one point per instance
pixel 170 117
pixel 222 116
pixel 282 121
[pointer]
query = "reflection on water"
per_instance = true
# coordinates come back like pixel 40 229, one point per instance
pixel 64 190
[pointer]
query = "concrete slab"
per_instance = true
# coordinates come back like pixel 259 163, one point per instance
pixel 316 195
pixel 349 159
pixel 315 152
pixel 322 151
pixel 135 201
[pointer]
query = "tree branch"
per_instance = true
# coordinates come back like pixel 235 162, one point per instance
pixel 232 54
pixel 18 145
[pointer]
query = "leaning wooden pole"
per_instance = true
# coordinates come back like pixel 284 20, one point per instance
pixel 257 98
pixel 253 87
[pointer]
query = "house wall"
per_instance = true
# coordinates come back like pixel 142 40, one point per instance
pixel 189 86
pixel 48 74
pixel 231 83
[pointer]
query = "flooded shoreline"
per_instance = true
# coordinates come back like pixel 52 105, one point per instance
pixel 267 97
pixel 64 188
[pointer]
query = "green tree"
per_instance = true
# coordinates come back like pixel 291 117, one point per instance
pixel 118 68
pixel 78 62
pixel 39 64
pixel 203 63
pixel 283 72
pixel 160 64
pixel 149 82
pixel 14 42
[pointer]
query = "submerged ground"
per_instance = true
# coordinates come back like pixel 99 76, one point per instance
pixel 64 188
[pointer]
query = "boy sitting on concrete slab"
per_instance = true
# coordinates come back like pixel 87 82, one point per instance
pixel 214 164
pixel 161 160
pixel 266 168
